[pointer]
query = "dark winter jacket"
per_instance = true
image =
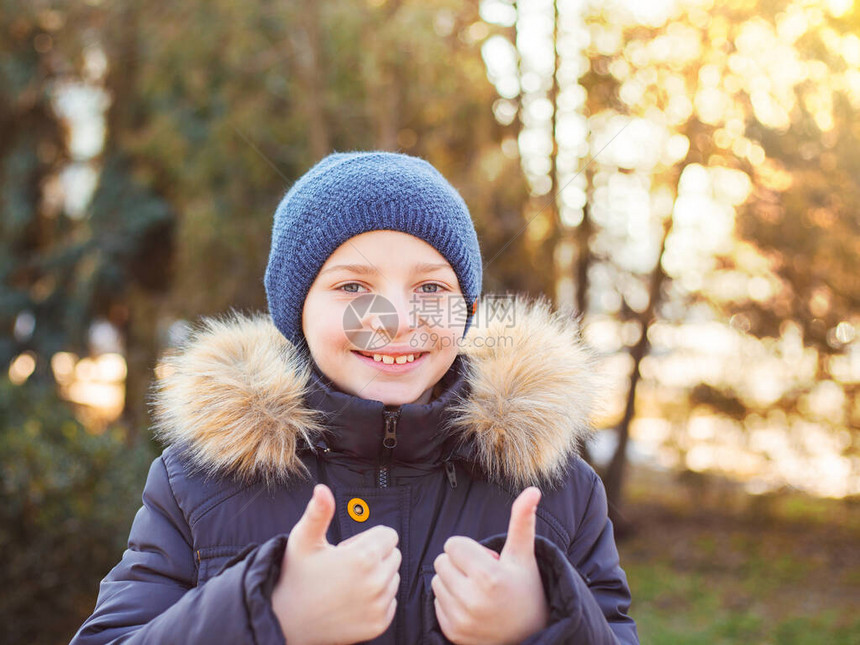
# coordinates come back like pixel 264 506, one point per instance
pixel 250 428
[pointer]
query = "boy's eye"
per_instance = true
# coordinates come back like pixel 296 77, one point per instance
pixel 431 287
pixel 350 287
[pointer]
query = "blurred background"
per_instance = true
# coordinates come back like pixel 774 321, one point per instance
pixel 683 173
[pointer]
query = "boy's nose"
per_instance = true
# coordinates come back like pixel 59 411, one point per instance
pixel 406 320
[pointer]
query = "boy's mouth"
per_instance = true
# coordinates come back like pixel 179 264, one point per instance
pixel 391 359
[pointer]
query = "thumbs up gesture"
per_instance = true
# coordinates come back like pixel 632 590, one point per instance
pixel 335 594
pixel 483 597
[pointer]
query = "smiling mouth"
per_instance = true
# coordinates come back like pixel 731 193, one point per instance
pixel 392 359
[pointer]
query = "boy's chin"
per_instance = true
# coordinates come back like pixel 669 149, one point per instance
pixel 396 396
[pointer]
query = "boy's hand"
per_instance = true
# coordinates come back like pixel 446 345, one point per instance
pixel 335 594
pixel 484 598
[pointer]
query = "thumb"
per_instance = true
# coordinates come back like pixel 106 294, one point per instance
pixel 520 543
pixel 309 532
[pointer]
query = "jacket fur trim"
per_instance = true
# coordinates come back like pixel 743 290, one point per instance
pixel 233 397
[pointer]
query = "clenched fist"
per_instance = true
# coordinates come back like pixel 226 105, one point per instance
pixel 483 597
pixel 335 594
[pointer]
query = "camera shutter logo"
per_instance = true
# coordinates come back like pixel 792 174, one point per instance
pixel 358 310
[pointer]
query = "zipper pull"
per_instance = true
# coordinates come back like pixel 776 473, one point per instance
pixel 390 439
pixel 451 473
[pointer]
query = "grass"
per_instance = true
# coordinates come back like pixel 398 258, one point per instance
pixel 708 564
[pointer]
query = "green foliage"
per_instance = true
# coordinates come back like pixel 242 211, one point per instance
pixel 736 568
pixel 67 499
pixel 229 119
pixel 31 148
pixel 677 606
pixel 215 108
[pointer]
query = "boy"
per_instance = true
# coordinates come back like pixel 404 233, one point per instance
pixel 321 485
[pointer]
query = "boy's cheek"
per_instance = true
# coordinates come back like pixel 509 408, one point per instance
pixel 446 342
pixel 437 338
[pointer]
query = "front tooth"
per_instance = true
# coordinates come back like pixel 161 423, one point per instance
pixel 400 360
pixel 377 357
pixel 410 358
pixel 388 360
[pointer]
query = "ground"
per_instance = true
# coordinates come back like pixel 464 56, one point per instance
pixel 708 563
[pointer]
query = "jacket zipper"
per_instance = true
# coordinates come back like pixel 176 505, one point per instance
pixel 389 443
pixel 451 472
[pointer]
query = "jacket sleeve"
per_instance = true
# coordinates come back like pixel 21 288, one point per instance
pixel 586 588
pixel 151 595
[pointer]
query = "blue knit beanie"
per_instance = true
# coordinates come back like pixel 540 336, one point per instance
pixel 349 193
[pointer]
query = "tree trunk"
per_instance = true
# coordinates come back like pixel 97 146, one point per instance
pixel 555 238
pixel 121 117
pixel 583 256
pixel 614 476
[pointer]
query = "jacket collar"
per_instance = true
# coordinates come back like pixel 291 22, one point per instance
pixel 356 426
pixel 239 400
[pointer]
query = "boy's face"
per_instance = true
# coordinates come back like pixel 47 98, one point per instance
pixel 379 298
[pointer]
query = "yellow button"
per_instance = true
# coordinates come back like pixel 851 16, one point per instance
pixel 358 509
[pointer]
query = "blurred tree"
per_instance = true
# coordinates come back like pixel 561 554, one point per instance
pixel 202 136
pixel 523 60
pixel 63 266
pixel 801 216
pixel 754 104
pixel 231 118
pixel 734 100
pixel 32 149
pixel 556 94
pixel 67 498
